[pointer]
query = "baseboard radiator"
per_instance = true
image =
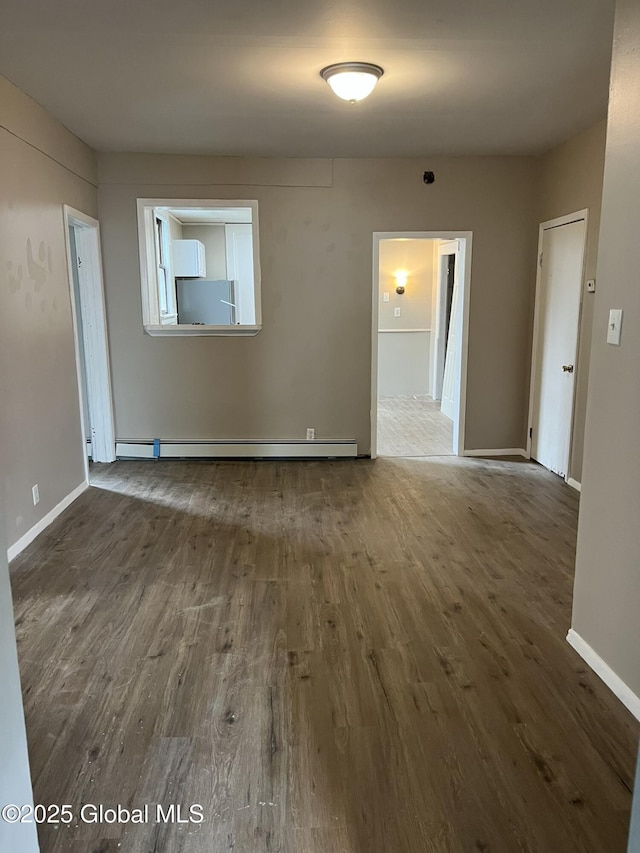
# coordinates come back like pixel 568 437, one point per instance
pixel 157 449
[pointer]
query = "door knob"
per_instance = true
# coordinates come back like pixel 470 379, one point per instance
pixel 567 368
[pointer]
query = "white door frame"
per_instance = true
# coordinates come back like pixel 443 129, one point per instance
pixel 94 335
pixel 578 216
pixel 465 282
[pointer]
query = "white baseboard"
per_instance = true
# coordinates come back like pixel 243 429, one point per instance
pixel 497 451
pixel 238 449
pixel 574 484
pixel 617 686
pixel 31 534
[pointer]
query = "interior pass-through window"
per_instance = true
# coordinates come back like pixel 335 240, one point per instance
pixel 199 266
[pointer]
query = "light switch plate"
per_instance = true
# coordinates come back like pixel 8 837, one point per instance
pixel 396 312
pixel 385 297
pixel 591 285
pixel 615 326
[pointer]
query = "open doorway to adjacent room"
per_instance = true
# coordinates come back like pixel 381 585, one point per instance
pixel 419 344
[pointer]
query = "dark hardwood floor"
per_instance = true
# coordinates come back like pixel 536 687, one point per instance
pixel 329 657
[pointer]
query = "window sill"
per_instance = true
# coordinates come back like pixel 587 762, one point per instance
pixel 191 331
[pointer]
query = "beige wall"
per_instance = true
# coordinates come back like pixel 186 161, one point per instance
pixel 416 258
pixel 311 364
pixel 403 356
pixel 215 249
pixel 606 605
pixel 571 180
pixel 42 167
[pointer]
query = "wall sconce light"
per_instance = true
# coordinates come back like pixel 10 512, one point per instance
pixel 401 277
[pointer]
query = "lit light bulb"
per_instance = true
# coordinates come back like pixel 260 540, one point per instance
pixel 401 277
pixel 352 81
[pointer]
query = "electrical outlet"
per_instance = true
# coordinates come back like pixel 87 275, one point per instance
pixel 35 493
pixel 615 327
pixel 591 285
pixel 311 433
pixel 396 312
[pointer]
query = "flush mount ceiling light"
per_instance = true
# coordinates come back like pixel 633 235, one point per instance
pixel 352 81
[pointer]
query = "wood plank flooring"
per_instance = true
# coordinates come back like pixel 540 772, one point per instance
pixel 329 657
pixel 413 426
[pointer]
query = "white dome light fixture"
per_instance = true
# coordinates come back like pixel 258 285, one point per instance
pixel 352 81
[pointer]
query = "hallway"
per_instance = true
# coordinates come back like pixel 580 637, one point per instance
pixel 329 657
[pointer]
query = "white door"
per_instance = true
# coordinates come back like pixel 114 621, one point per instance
pixel 239 242
pixel 555 344
pixel 451 380
pixel 90 328
pixel 82 362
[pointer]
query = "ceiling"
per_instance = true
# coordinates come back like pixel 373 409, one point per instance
pixel 242 77
pixel 208 216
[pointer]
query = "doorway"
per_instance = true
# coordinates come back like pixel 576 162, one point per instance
pixel 561 252
pixel 419 340
pixel 90 335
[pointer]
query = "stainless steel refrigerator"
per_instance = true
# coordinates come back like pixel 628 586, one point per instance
pixel 209 302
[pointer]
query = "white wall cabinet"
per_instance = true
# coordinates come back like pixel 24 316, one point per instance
pixel 189 259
